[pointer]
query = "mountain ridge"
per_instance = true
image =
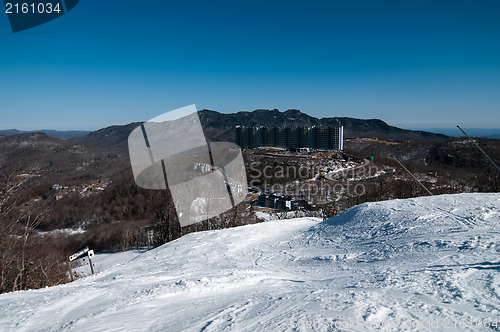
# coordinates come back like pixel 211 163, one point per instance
pixel 61 134
pixel 220 127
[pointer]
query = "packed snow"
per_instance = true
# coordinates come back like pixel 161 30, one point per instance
pixel 429 263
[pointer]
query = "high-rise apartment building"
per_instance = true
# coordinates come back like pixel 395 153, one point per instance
pixel 324 138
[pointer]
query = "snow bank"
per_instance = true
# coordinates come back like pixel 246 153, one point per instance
pixel 419 264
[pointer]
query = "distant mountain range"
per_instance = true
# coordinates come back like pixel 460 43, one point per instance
pixel 62 134
pixel 220 127
pixel 474 132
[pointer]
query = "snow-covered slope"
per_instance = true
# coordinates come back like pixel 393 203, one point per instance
pixel 430 263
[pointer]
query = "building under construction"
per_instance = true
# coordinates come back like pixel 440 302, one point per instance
pixel 329 138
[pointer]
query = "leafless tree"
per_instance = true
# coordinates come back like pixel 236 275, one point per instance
pixel 24 263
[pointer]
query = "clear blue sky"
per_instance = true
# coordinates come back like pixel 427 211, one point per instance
pixel 415 64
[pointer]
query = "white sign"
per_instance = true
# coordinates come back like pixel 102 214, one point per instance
pixel 78 254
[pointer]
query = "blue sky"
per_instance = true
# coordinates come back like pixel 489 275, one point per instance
pixel 414 64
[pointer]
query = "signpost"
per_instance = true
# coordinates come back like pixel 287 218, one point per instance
pixel 90 254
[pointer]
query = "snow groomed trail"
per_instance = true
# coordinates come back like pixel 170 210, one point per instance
pixel 430 263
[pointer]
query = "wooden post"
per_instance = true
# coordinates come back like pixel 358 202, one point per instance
pixel 70 270
pixel 91 267
pixel 90 254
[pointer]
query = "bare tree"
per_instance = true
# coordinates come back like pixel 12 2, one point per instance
pixel 26 260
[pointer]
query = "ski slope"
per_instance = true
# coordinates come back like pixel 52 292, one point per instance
pixel 429 263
